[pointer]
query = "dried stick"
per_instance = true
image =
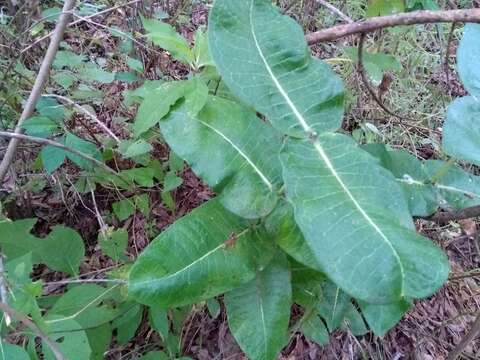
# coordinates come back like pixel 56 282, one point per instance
pixel 335 10
pixel 411 18
pixel 30 324
pixel 42 141
pixel 40 81
pixel 444 217
pixel 466 339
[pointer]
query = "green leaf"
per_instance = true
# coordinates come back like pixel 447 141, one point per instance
pixel 128 323
pixel 130 149
pixel 333 306
pixel 99 339
pixel 114 243
pixel 273 70
pixel 384 7
pixel 171 182
pixel 259 311
pixel 64 79
pixel 134 64
pixel 377 256
pixel 52 158
pixel 92 73
pixel 50 108
pixel 83 146
pixel 65 58
pixel 461 131
pixel 62 250
pixel 314 328
pixel 39 126
pixel 218 145
pixel 424 189
pixel 376 64
pixel 83 304
pixel 192 260
pixel 467 58
pixel 123 209
pixel 381 318
pixel 201 52
pixel 158 319
pixel 157 102
pixel 354 322
pixel 73 347
pixel 281 226
pixel 142 176
pixel 12 352
pixel 165 36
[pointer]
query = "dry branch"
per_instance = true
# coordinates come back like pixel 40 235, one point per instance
pixel 40 81
pixel 376 23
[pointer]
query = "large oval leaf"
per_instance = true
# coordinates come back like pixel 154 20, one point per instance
pixel 462 131
pixel 467 57
pixel 264 59
pixel 355 219
pixel 259 311
pixel 206 253
pixel 229 147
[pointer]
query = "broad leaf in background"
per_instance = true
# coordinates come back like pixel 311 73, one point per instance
pixel 429 184
pixel 84 147
pixel 462 130
pixel 52 158
pixel 165 36
pixel 201 52
pixel 259 311
pixel 62 250
pixel 157 102
pixel 381 318
pixel 99 339
pixel 384 7
pixel 313 328
pixel 39 126
pixel 467 58
pixel 232 150
pixel 12 352
pixel 114 243
pixel 376 64
pixel 273 71
pixel 133 148
pixel 128 323
pixel 74 347
pixel 208 252
pixel 50 108
pixel 376 255
pixel 333 306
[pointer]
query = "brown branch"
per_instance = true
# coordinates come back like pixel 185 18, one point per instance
pixel 446 216
pixel 411 18
pixel 467 339
pixel 40 82
pixel 42 141
pixel 31 325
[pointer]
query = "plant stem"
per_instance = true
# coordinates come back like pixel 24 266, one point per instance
pixel 380 22
pixel 40 82
pixel 30 324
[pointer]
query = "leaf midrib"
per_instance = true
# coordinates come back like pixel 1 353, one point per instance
pixel 318 147
pixel 250 162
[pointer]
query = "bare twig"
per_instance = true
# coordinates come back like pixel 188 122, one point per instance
pixel 86 112
pixel 31 325
pixel 40 81
pixel 447 55
pixel 373 93
pixel 475 329
pixel 42 141
pixel 335 10
pixel 411 18
pixel 446 216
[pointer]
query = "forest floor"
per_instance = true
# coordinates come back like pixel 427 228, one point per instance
pixel 419 91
